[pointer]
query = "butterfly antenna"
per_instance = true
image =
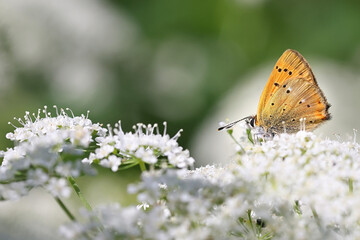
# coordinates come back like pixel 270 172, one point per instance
pixel 230 125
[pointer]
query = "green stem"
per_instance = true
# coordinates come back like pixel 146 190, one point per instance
pixel 84 201
pixel 316 217
pixel 351 185
pixel 233 138
pixel 66 210
pixel 80 195
pixel 142 166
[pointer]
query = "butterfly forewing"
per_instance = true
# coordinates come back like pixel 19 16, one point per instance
pixel 291 64
pixel 294 100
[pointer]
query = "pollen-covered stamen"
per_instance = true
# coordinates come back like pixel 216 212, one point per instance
pixel 37 117
pixel 109 129
pixel 10 123
pixel 56 110
pixel 148 129
pixel 139 129
pixel 156 126
pixel 152 129
pixel 20 121
pixel 177 135
pixel 27 117
pixel 118 130
pixel 72 113
pixel 45 111
pixel 165 128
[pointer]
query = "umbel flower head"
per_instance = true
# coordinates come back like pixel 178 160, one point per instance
pixel 46 152
pixel 49 149
pixel 145 145
pixel 295 186
pixel 77 129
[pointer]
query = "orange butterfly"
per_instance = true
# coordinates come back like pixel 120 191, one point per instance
pixel 291 100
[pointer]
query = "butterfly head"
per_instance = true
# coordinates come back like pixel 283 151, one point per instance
pixel 251 121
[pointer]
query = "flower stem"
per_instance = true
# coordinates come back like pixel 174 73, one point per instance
pixel 351 185
pixel 142 166
pixel 66 210
pixel 84 201
pixel 80 195
pixel 233 138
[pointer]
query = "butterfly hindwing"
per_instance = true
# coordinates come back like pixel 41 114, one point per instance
pixel 291 64
pixel 295 99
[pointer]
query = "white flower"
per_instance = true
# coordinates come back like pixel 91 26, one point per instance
pixel 59 188
pixel 46 152
pixel 295 186
pixel 77 129
pixel 37 177
pixel 146 155
pixel 89 160
pixel 12 154
pixel 112 162
pixel 104 151
pixel 145 143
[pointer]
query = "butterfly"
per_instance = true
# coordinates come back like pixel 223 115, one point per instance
pixel 291 100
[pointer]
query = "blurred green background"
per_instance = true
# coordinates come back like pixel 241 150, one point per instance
pixel 154 61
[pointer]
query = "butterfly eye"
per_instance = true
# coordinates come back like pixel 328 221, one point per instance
pixel 252 122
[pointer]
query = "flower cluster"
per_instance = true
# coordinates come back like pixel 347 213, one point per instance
pixel 119 150
pixel 46 153
pixel 50 149
pixel 295 186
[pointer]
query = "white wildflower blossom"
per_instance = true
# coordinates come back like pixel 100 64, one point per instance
pixel 13 191
pixel 145 145
pixel 295 186
pixel 76 128
pixel 47 152
pixel 59 187
pixel 112 162
pixel 146 155
pixel 37 177
pixel 104 151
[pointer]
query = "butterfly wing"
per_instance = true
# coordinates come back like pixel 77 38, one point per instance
pixel 295 99
pixel 291 64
